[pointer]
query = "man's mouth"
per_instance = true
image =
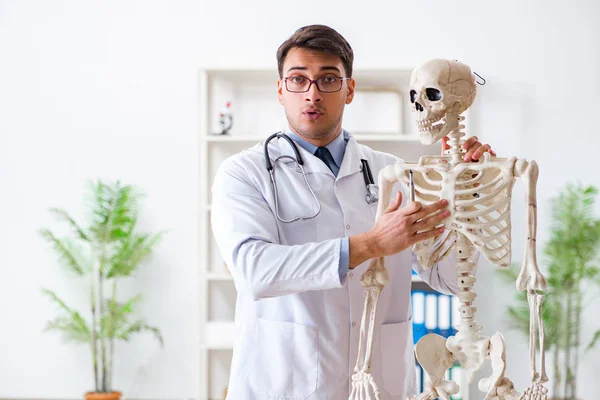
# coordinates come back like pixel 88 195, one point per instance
pixel 312 114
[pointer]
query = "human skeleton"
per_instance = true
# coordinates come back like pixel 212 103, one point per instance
pixel 479 196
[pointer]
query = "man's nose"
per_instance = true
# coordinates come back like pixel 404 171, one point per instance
pixel 313 95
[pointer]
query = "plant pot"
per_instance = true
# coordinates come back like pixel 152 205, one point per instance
pixel 103 396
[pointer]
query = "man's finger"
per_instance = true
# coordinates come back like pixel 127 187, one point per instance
pixel 479 152
pixel 428 209
pixel 419 237
pixel 394 204
pixel 469 155
pixel 430 221
pixel 470 142
pixel 412 208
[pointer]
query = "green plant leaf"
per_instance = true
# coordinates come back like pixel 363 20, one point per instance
pixel 117 316
pixel 113 210
pixel 63 215
pixel 594 340
pixel 131 252
pixel 138 327
pixel 70 323
pixel 69 254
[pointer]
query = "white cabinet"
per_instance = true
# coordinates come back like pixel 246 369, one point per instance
pixel 379 117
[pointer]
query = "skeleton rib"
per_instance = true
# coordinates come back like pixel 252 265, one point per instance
pixel 480 189
pixel 432 182
pixel 489 224
pixel 483 211
pixel 482 198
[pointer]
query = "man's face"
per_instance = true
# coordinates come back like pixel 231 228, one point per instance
pixel 314 115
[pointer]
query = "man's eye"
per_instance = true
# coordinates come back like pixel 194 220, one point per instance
pixel 298 79
pixel 329 79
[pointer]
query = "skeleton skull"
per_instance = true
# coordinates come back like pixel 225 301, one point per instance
pixel 439 89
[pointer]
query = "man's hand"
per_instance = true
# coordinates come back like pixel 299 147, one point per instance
pixel 397 229
pixel 474 148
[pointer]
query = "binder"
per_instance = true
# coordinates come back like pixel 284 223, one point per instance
pixel 431 312
pixel 418 312
pixel 444 315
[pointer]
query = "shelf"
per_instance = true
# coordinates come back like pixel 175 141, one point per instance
pixel 361 137
pixel 219 335
pixel 219 276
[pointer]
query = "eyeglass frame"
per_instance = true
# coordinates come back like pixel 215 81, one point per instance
pixel 343 78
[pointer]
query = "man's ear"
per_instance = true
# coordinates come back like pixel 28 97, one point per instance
pixel 279 90
pixel 350 95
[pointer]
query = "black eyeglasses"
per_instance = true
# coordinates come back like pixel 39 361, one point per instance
pixel 301 84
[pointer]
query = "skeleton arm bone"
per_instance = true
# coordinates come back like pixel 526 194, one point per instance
pixel 530 277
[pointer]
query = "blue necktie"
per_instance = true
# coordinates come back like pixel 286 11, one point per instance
pixel 325 156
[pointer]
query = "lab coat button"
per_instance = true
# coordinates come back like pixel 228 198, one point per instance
pixel 347 226
pixel 354 324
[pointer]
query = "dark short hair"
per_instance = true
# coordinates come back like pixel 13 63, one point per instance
pixel 320 38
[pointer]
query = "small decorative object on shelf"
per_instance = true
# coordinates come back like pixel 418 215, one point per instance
pixel 226 119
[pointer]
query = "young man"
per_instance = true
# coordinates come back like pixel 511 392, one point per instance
pixel 300 300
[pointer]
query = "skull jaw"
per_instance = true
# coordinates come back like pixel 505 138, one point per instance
pixel 432 136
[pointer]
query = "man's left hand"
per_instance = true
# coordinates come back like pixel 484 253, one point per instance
pixel 474 147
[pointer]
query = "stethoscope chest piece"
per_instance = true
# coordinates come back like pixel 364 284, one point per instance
pixel 372 195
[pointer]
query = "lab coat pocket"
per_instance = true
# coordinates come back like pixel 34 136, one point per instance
pixel 398 360
pixel 286 359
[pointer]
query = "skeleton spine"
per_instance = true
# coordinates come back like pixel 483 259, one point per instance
pixel 456 141
pixel 465 282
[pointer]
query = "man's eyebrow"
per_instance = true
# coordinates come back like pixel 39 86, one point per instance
pixel 323 68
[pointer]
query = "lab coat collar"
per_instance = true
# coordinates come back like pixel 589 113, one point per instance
pixel 337 147
pixel 350 162
pixel 312 164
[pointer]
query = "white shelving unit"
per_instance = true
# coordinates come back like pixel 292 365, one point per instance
pixel 381 102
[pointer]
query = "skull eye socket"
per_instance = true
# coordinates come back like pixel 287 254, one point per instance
pixel 433 94
pixel 413 96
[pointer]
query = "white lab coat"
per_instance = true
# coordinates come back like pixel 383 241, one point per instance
pixel 297 325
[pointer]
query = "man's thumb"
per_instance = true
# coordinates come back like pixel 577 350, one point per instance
pixel 396 203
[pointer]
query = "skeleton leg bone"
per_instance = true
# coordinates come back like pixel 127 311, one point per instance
pixel 373 280
pixel 539 299
pixel 533 375
pixel 536 391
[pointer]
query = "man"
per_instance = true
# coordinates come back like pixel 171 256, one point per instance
pixel 300 301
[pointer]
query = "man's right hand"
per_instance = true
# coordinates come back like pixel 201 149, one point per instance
pixel 397 229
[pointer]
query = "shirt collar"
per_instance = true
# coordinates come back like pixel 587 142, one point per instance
pixel 337 147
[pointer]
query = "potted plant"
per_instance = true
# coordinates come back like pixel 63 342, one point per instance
pixel 571 255
pixel 106 250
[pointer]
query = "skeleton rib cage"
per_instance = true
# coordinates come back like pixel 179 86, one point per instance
pixel 480 207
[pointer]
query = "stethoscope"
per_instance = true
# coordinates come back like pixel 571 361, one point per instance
pixel 371 197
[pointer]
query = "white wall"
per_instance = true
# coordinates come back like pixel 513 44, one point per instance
pixel 108 89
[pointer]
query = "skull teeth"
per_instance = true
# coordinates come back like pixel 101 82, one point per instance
pixel 428 124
